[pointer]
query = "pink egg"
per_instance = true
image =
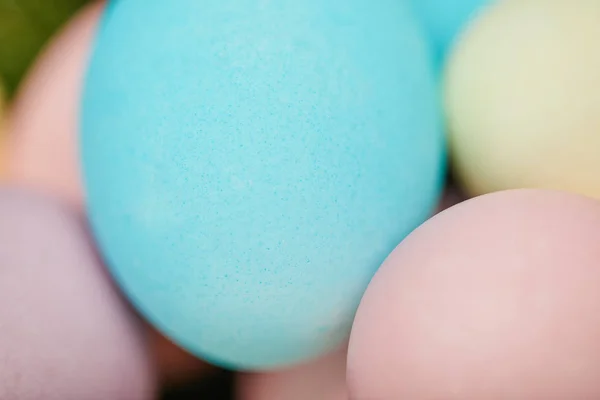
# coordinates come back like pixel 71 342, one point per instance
pixel 65 332
pixel 2 134
pixel 42 145
pixel 495 298
pixel 323 379
pixel 42 124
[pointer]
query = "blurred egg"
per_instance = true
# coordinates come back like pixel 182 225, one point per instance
pixel 26 27
pixel 322 379
pixel 66 334
pixel 444 20
pixel 2 134
pixel 523 98
pixel 495 298
pixel 43 121
pixel 249 167
pixel 43 151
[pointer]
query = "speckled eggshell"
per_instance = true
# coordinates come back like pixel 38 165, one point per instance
pixel 66 333
pixel 495 298
pixel 249 167
pixel 522 95
pixel 322 379
pixel 43 152
pixel 444 21
pixel 43 143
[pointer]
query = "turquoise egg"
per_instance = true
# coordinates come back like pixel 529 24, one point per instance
pixel 443 21
pixel 249 164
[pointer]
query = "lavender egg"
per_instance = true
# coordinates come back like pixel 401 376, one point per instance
pixel 65 333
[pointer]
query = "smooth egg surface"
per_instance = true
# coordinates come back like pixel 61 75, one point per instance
pixel 43 152
pixel 522 95
pixel 66 333
pixel 42 125
pixel 494 298
pixel 249 167
pixel 2 134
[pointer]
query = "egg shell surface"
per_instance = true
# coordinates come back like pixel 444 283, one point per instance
pixel 522 97
pixel 3 150
pixel 66 332
pixel 42 152
pixel 249 167
pixel 494 298
pixel 42 126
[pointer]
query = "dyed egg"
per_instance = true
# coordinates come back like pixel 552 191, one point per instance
pixel 249 167
pixel 495 298
pixel 42 144
pixel 522 98
pixel 43 152
pixel 26 27
pixel 322 379
pixel 66 334
pixel 2 134
pixel 444 20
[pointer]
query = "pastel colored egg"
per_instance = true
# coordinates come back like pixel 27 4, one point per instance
pixel 43 120
pixel 249 167
pixel 444 20
pixel 322 379
pixel 495 298
pixel 43 151
pixel 66 334
pixel 2 134
pixel 523 101
pixel 26 27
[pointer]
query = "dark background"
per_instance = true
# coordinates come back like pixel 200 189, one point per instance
pixel 217 386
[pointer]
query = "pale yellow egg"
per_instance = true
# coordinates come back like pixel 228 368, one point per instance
pixel 522 96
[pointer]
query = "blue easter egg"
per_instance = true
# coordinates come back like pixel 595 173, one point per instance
pixel 443 20
pixel 249 164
